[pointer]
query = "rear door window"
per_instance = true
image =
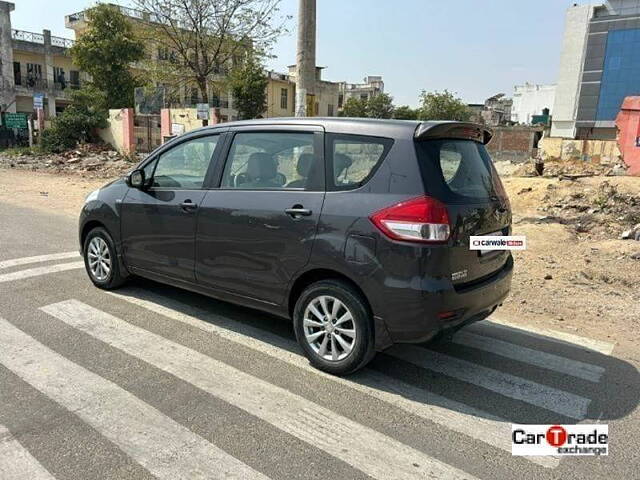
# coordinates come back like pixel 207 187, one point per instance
pixel 353 159
pixel 459 169
pixel 272 160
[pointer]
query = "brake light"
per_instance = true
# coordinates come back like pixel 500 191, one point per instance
pixel 421 219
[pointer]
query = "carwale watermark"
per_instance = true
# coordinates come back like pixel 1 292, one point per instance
pixel 487 243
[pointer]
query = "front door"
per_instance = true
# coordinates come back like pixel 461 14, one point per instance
pixel 159 222
pixel 257 229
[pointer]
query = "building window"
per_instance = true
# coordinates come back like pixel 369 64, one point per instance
pixel 17 74
pixel 620 73
pixel 317 109
pixel 284 98
pixel 34 74
pixel 340 100
pixel 163 53
pixel 330 110
pixel 59 78
pixel 364 96
pixel 74 78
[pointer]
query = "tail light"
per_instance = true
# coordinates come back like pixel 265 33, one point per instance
pixel 423 219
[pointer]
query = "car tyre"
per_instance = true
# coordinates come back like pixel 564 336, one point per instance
pixel 101 260
pixel 329 309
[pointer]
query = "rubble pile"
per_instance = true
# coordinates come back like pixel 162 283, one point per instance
pixel 574 168
pixel 88 160
pixel 600 212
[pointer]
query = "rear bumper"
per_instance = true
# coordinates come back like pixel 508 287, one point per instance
pixel 420 320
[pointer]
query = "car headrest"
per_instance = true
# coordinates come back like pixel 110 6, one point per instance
pixel 340 163
pixel 261 165
pixel 305 161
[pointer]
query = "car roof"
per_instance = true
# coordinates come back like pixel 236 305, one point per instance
pixel 361 126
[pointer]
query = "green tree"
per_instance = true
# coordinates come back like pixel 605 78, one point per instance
pixel 442 106
pixel 354 107
pixel 78 122
pixel 106 50
pixel 201 40
pixel 405 112
pixel 249 89
pixel 380 106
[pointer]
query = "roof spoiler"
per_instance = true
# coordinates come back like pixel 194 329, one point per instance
pixel 461 130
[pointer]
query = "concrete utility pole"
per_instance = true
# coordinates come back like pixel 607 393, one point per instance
pixel 306 58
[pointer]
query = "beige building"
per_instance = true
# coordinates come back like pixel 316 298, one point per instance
pixel 370 87
pixel 32 64
pixel 184 96
pixel 325 99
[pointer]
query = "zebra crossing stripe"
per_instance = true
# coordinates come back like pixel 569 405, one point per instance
pixel 38 271
pixel 555 336
pixel 456 416
pixel 552 399
pixel 16 463
pixel 567 366
pixel 15 262
pixel 161 445
pixel 363 448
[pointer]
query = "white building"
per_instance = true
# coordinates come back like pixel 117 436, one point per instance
pixel 570 75
pixel 530 100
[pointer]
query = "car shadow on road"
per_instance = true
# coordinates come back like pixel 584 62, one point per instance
pixel 483 383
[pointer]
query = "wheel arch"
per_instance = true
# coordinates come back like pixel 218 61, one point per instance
pixel 316 275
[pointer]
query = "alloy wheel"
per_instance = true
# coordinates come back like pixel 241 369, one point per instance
pixel 329 328
pixel 99 259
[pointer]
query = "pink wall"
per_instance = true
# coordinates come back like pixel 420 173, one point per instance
pixel 128 137
pixel 628 123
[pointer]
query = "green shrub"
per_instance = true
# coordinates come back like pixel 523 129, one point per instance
pixel 77 123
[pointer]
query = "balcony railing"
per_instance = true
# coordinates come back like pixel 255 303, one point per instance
pixel 38 38
pixel 30 37
pixel 33 83
pixel 62 42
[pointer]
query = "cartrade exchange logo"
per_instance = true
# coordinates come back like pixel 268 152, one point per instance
pixel 537 440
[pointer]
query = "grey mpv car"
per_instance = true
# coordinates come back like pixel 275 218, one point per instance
pixel 358 230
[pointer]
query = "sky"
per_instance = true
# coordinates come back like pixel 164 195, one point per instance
pixel 475 48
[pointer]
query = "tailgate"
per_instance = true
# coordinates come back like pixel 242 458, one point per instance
pixel 459 172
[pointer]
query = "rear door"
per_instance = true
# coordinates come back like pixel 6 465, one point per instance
pixel 256 230
pixel 460 173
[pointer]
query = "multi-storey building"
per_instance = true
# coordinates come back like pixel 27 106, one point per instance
pixel 34 64
pixel 599 67
pixel 371 86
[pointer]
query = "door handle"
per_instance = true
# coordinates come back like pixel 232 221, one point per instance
pixel 297 212
pixel 188 205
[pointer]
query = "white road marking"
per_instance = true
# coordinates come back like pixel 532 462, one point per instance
pixel 16 463
pixel 161 445
pixel 38 271
pixel 575 368
pixel 359 446
pixel 15 262
pixel 545 334
pixel 459 417
pixel 505 384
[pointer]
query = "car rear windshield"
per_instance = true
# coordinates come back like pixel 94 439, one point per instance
pixel 458 170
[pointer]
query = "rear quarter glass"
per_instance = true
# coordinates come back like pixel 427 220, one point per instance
pixel 458 171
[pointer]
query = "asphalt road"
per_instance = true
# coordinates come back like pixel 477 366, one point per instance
pixel 154 382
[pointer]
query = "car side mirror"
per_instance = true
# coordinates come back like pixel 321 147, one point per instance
pixel 136 179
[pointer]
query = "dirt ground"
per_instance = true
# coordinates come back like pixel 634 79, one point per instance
pixel 576 275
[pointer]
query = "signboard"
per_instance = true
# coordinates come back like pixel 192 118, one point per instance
pixel 16 120
pixel 177 129
pixel 38 101
pixel 202 110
